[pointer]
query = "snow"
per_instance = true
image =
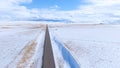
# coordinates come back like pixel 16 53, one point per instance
pixel 92 46
pixel 66 55
pixel 19 44
pixel 59 59
pixel 74 45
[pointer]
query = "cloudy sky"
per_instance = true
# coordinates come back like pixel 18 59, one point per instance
pixel 80 11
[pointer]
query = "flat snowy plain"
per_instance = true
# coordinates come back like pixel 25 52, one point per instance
pixel 74 45
pixel 90 45
pixel 21 45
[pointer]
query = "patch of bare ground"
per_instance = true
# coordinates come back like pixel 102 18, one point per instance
pixel 10 27
pixel 28 26
pixel 75 25
pixel 5 27
pixel 27 55
pixel 23 59
pixel 36 26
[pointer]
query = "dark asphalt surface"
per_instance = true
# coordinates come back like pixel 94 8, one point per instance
pixel 48 59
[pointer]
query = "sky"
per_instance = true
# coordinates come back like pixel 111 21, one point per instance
pixel 58 4
pixel 77 11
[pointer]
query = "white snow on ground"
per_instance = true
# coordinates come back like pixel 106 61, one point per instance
pixel 74 45
pixel 92 46
pixel 59 60
pixel 21 45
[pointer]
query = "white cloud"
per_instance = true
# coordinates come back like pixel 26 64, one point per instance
pixel 96 11
pixel 104 2
pixel 12 3
pixel 11 9
pixel 54 7
pixel 103 10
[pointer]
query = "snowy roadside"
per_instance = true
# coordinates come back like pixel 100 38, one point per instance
pixel 63 57
pixel 21 45
pixel 93 46
pixel 74 45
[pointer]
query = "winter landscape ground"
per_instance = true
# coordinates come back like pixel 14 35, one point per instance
pixel 73 45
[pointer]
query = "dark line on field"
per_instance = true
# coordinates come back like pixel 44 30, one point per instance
pixel 48 59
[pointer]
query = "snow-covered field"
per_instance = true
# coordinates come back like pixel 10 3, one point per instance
pixel 86 46
pixel 21 45
pixel 74 45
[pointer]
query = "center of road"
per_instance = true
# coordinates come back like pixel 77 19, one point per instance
pixel 48 59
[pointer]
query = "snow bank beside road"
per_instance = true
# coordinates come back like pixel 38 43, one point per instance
pixel 93 46
pixel 21 45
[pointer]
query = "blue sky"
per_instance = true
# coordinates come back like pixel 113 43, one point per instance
pixel 89 11
pixel 56 4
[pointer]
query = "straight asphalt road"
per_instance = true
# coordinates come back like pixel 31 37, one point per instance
pixel 48 59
